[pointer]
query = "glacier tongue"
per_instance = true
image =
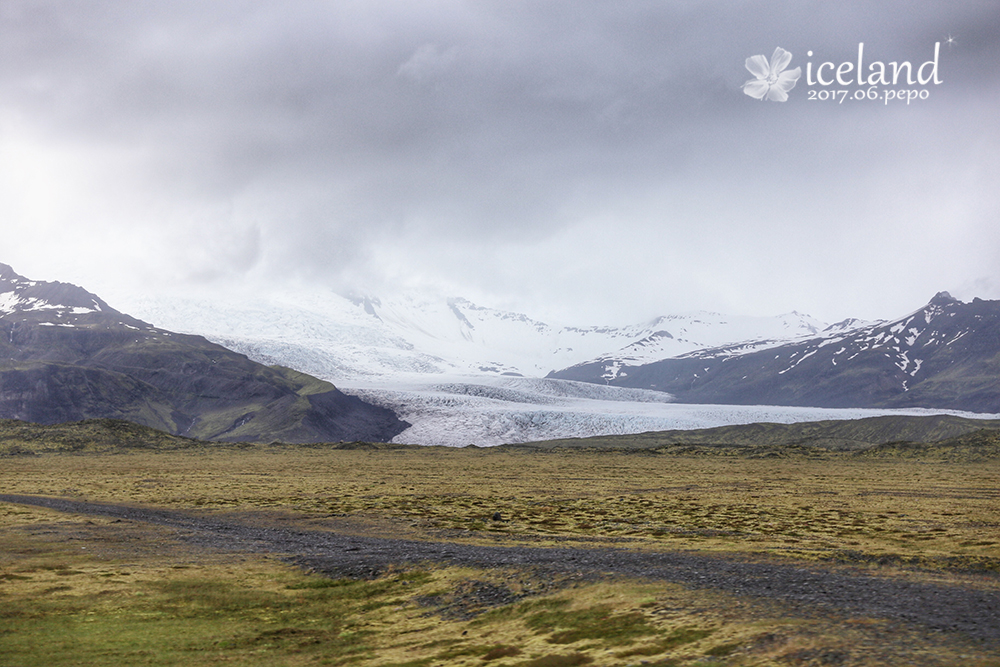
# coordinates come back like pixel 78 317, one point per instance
pixel 494 411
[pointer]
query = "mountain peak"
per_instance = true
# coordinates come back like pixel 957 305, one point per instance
pixel 847 325
pixel 8 274
pixel 46 300
pixel 942 299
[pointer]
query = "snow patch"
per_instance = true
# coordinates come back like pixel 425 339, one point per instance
pixel 798 361
pixel 13 301
pixel 8 301
pixel 902 363
pixel 957 336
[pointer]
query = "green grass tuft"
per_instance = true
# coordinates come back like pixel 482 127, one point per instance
pixel 501 651
pixel 600 622
pixel 570 660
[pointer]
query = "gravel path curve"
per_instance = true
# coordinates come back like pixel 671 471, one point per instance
pixel 975 613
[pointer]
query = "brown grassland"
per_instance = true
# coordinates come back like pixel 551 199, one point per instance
pixel 87 590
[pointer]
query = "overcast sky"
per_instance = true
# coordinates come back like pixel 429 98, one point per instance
pixel 585 162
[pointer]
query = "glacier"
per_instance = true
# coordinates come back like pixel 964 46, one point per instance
pixel 490 411
pixel 340 337
pixel 464 374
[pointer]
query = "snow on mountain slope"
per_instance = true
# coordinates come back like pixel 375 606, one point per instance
pixel 322 334
pixel 944 355
pixel 853 337
pixel 701 336
pixel 678 335
pixel 61 301
pixel 339 338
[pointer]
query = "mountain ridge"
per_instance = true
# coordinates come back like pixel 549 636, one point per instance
pixel 945 355
pixel 66 355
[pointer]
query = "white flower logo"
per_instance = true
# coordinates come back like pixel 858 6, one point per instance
pixel 772 81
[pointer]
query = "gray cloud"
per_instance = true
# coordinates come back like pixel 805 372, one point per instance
pixel 596 160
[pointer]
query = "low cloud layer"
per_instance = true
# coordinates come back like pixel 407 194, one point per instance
pixel 586 161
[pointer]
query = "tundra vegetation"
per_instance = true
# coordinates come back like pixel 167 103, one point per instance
pixel 91 590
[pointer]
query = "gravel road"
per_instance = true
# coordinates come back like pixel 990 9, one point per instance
pixel 973 612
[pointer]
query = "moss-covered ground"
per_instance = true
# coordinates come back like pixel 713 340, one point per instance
pixel 80 590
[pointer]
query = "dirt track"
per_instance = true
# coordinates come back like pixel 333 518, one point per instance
pixel 974 613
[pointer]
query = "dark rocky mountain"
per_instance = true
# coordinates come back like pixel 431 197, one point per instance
pixel 66 355
pixel 944 356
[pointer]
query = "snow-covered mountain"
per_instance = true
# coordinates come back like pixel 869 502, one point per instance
pixel 687 334
pixel 616 367
pixel 944 355
pixel 52 304
pixel 343 339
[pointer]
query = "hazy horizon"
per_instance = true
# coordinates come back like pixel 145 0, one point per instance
pixel 580 162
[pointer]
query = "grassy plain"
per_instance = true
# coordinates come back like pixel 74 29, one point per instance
pixel 93 591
